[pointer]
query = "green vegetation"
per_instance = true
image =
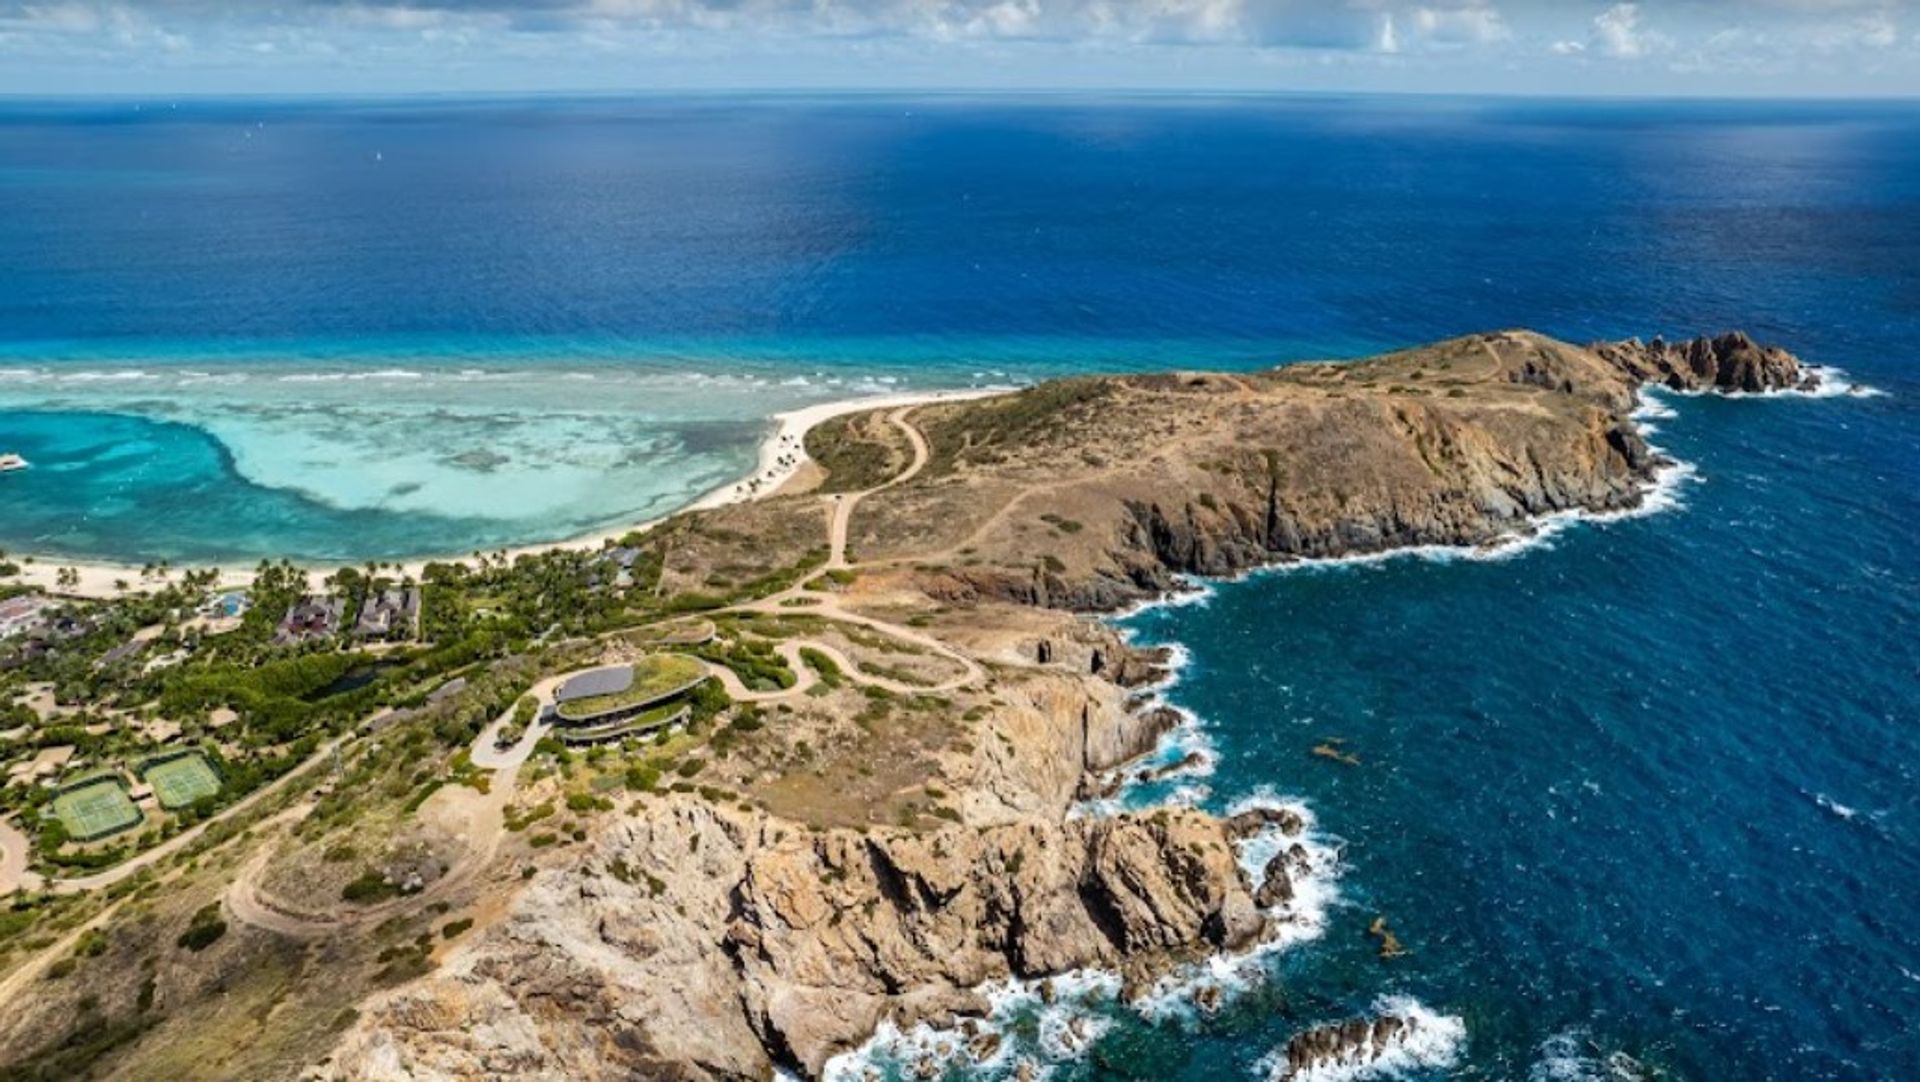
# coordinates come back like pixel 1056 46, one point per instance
pixel 753 661
pixel 830 672
pixel 371 887
pixel 645 721
pixel 204 930
pixel 656 677
pixel 520 821
pixel 1038 417
pixel 858 451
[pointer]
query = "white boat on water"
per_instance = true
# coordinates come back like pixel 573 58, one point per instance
pixel 9 463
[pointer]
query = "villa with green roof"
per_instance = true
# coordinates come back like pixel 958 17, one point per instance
pixel 623 700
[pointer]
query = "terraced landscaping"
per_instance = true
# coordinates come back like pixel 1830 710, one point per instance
pixel 643 722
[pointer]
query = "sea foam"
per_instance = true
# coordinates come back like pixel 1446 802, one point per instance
pixel 1571 1056
pixel 1430 1042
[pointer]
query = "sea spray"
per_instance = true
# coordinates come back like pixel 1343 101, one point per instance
pixel 1572 1056
pixel 1043 1023
pixel 1205 987
pixel 1425 1041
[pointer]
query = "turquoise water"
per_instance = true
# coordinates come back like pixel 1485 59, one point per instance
pixel 397 306
pixel 1647 788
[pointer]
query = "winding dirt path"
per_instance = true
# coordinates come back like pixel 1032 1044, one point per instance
pixel 482 821
pixel 844 504
pixel 487 753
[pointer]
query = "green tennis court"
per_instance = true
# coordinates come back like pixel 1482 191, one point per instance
pixel 96 809
pixel 180 781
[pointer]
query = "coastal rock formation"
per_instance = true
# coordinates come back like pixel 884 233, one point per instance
pixel 1729 362
pixel 1148 479
pixel 696 942
pixel 1356 1043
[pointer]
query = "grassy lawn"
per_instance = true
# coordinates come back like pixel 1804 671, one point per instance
pixel 653 677
pixel 95 810
pixel 179 782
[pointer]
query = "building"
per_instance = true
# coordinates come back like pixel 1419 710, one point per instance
pixel 570 701
pixel 611 567
pixel 605 704
pixel 19 615
pixel 44 766
pixel 312 618
pixel 389 614
pixel 122 652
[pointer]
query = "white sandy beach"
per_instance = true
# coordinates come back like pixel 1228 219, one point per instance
pixel 783 454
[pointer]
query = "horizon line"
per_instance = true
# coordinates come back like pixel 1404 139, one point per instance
pixel 801 91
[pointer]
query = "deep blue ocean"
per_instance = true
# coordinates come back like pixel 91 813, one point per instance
pixel 1647 788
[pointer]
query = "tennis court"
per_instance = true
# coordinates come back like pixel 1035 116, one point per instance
pixel 95 809
pixel 179 781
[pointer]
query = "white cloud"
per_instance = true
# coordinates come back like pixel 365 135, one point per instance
pixel 1873 31
pixel 1718 46
pixel 396 18
pixel 1617 33
pixel 1474 24
pixel 61 18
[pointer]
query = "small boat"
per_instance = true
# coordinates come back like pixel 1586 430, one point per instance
pixel 9 463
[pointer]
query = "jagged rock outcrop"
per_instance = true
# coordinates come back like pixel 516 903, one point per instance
pixel 1727 362
pixel 704 943
pixel 1357 1042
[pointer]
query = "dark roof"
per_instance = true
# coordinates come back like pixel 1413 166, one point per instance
pixel 608 681
pixel 452 687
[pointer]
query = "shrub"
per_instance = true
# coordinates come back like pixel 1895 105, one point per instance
pixel 371 886
pixel 93 944
pixel 204 930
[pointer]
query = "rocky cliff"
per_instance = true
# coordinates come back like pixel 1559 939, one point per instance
pixel 696 942
pixel 1464 443
pixel 1729 363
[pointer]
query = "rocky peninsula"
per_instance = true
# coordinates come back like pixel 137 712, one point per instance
pixel 771 944
pixel 872 853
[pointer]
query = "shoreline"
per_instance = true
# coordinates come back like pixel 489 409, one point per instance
pixel 1094 1000
pixel 781 456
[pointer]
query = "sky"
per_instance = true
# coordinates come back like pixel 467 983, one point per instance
pixel 1769 48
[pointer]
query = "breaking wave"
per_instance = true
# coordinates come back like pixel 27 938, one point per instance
pixel 1430 1042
